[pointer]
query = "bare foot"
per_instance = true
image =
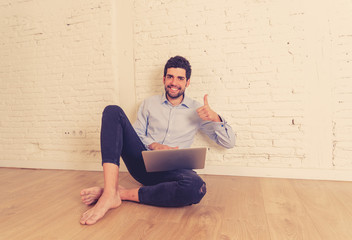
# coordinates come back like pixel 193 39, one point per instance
pixel 91 195
pixel 106 202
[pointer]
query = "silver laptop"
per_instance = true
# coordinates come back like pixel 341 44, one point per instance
pixel 166 160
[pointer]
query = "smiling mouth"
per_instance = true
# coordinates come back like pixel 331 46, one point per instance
pixel 174 89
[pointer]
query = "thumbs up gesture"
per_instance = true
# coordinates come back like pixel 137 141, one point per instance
pixel 205 112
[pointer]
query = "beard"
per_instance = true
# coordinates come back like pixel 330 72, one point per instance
pixel 180 93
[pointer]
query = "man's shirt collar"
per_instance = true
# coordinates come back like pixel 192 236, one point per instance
pixel 186 102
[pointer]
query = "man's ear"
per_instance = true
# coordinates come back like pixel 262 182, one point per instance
pixel 188 82
pixel 164 80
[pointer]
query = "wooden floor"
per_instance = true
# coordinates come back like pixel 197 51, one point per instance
pixel 45 204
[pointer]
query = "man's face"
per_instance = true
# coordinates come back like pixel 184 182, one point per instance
pixel 175 82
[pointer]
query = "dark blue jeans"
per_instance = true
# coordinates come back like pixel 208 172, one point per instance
pixel 167 189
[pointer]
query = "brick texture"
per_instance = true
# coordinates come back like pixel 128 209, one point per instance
pixel 278 71
pixel 247 56
pixel 342 85
pixel 257 60
pixel 56 76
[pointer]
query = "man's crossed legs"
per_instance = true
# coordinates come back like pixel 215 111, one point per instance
pixel 167 189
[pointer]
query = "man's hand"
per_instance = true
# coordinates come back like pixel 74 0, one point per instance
pixel 205 112
pixel 158 146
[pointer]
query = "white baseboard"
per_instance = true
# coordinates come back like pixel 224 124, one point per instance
pixel 60 165
pixel 296 173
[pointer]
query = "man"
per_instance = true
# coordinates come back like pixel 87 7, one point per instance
pixel 168 121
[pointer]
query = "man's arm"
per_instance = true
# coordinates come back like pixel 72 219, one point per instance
pixel 141 125
pixel 215 127
pixel 221 133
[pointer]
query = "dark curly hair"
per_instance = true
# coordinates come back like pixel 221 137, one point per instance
pixel 178 62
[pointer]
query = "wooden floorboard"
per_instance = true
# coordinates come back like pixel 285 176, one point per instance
pixel 331 218
pixel 45 204
pixel 286 214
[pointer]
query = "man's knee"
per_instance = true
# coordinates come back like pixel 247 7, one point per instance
pixel 112 110
pixel 193 190
pixel 199 193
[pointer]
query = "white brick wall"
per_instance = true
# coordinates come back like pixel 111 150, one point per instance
pixel 342 85
pixel 278 71
pixel 249 59
pixel 56 76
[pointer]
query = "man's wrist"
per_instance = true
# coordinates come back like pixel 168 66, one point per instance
pixel 217 118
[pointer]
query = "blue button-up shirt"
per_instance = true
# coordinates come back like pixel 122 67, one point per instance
pixel 159 121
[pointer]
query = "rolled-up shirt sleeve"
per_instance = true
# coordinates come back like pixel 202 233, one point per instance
pixel 219 132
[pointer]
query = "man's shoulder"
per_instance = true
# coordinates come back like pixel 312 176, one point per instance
pixel 151 102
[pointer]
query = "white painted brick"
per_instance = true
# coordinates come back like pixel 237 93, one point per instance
pixel 262 63
pixel 46 65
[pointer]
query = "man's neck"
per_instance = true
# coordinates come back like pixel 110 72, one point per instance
pixel 175 101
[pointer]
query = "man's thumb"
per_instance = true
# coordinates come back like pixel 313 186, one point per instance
pixel 206 99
